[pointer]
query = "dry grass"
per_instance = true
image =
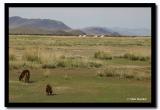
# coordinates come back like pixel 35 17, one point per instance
pixel 51 52
pixel 126 73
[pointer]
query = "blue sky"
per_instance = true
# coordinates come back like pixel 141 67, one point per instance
pixel 85 17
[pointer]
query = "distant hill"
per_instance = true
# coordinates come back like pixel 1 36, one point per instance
pixel 99 31
pixel 19 25
pixel 133 32
pixel 46 24
pixel 36 31
pixel 117 31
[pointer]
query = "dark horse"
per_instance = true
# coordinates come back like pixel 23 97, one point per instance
pixel 26 74
pixel 48 89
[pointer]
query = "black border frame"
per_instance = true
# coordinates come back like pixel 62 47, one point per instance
pixel 99 105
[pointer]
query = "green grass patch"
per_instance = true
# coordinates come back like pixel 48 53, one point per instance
pixel 81 86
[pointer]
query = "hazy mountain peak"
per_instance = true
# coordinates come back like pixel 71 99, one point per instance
pixel 47 24
pixel 98 31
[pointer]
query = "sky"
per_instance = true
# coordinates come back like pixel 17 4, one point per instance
pixel 86 17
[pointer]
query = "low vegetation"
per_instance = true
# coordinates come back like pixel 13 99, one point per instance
pixel 135 57
pixel 102 55
pixel 72 63
pixel 109 69
pixel 12 57
pixel 126 73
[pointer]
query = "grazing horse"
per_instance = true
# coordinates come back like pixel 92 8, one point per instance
pixel 48 89
pixel 26 74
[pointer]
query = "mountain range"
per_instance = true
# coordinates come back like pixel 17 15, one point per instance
pixel 19 25
pixel 99 31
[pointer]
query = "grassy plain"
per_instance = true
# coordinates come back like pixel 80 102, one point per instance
pixel 110 69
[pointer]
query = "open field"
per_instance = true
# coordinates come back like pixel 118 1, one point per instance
pixel 111 69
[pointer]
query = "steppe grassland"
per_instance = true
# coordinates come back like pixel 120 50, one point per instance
pixel 111 69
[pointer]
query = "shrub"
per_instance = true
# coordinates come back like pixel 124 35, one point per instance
pixel 129 76
pixel 124 73
pixel 71 63
pixel 116 73
pixel 110 72
pixel 94 64
pixel 61 64
pixel 102 55
pixel 48 66
pixel 134 57
pixel 144 58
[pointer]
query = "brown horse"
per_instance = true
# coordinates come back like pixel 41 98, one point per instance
pixel 26 74
pixel 48 89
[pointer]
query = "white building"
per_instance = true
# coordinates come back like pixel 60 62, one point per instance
pixel 102 36
pixel 80 36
